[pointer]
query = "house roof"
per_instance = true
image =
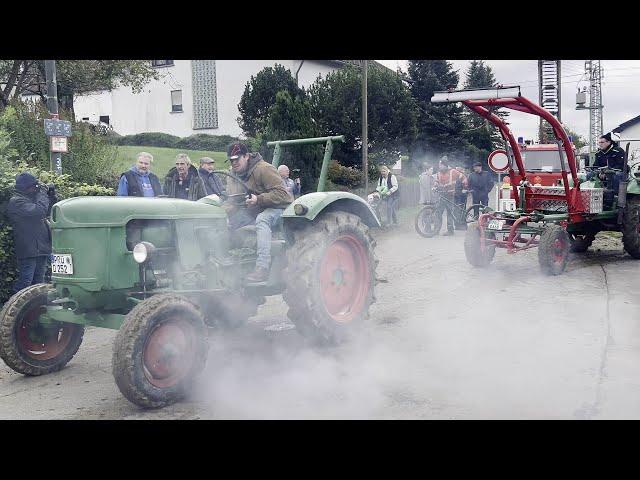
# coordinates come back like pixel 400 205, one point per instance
pixel 627 124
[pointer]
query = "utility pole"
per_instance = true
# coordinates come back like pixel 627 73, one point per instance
pixel 365 128
pixel 594 71
pixel 52 106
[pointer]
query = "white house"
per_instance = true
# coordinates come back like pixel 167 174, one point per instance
pixel 193 96
pixel 631 130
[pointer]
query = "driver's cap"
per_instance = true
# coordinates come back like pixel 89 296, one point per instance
pixel 236 150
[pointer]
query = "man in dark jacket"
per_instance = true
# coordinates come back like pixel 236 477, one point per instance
pixel 138 181
pixel 212 182
pixel 184 181
pixel 27 211
pixel 612 156
pixel 480 183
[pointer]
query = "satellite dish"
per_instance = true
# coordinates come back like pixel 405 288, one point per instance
pixel 499 161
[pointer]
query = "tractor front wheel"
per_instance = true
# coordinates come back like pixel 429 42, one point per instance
pixel 330 277
pixel 553 250
pixel 476 255
pixel 631 227
pixel 30 347
pixel 159 350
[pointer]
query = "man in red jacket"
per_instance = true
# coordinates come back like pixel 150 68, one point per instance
pixel 445 186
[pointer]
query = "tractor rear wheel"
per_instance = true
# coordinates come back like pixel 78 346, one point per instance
pixel 159 350
pixel 631 227
pixel 424 222
pixel 553 250
pixel 581 243
pixel 476 256
pixel 331 277
pixel 32 348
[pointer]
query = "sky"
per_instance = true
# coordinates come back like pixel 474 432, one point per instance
pixel 620 91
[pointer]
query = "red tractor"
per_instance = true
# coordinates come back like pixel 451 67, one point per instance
pixel 551 206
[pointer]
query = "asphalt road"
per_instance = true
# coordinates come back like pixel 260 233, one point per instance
pixel 444 341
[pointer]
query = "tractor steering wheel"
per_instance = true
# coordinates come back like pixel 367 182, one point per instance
pixel 236 199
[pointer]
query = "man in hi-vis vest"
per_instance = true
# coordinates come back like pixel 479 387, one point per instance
pixel 390 195
pixel 445 187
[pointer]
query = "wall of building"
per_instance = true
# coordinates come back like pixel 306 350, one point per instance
pixel 150 110
pixel 632 132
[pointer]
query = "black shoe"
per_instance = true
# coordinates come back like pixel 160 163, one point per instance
pixel 258 275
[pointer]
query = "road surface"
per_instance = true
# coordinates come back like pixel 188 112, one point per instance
pixel 444 341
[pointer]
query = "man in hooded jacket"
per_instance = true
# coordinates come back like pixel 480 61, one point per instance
pixel 27 210
pixel 265 203
pixel 184 181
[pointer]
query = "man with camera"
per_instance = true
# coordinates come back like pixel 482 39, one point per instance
pixel 28 210
pixel 292 186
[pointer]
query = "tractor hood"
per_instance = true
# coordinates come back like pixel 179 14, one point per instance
pixel 113 211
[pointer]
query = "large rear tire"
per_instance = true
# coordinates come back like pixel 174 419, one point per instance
pixel 476 256
pixel 553 250
pixel 159 350
pixel 331 277
pixel 31 348
pixel 631 227
pixel 424 222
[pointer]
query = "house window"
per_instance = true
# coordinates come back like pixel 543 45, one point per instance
pixel 161 63
pixel 104 119
pixel 176 100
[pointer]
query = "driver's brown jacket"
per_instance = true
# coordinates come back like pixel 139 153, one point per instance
pixel 264 181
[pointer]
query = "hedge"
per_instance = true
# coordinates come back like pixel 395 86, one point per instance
pixel 65 188
pixel 199 141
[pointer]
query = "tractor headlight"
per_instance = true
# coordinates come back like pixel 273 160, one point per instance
pixel 143 251
pixel 300 209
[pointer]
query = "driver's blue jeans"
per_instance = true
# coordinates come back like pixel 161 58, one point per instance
pixel 265 221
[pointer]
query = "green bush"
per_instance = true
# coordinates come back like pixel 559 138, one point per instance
pixel 147 139
pixel 90 158
pixel 203 141
pixel 344 176
pixel 65 187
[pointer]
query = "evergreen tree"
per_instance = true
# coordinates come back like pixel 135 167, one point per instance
pixel 260 94
pixel 481 133
pixel 440 126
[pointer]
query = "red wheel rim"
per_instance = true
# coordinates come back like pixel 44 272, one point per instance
pixel 39 342
pixel 169 353
pixel 559 247
pixel 344 278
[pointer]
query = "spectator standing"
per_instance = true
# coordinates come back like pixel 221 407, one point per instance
pixel 184 181
pixel 27 210
pixel 138 181
pixel 292 186
pixel 212 182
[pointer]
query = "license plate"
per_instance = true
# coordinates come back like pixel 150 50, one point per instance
pixel 62 265
pixel 495 224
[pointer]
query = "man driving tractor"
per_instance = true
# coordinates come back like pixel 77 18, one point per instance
pixel 265 203
pixel 611 156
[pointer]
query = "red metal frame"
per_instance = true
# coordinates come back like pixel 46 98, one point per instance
pixel 521 104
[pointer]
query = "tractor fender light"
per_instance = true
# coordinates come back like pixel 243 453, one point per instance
pixel 143 251
pixel 300 209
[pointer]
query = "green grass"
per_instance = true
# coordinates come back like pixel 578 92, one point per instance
pixel 164 158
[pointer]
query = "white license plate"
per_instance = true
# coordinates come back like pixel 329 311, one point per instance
pixel 62 265
pixel 495 224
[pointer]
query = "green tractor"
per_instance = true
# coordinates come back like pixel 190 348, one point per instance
pixel 166 272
